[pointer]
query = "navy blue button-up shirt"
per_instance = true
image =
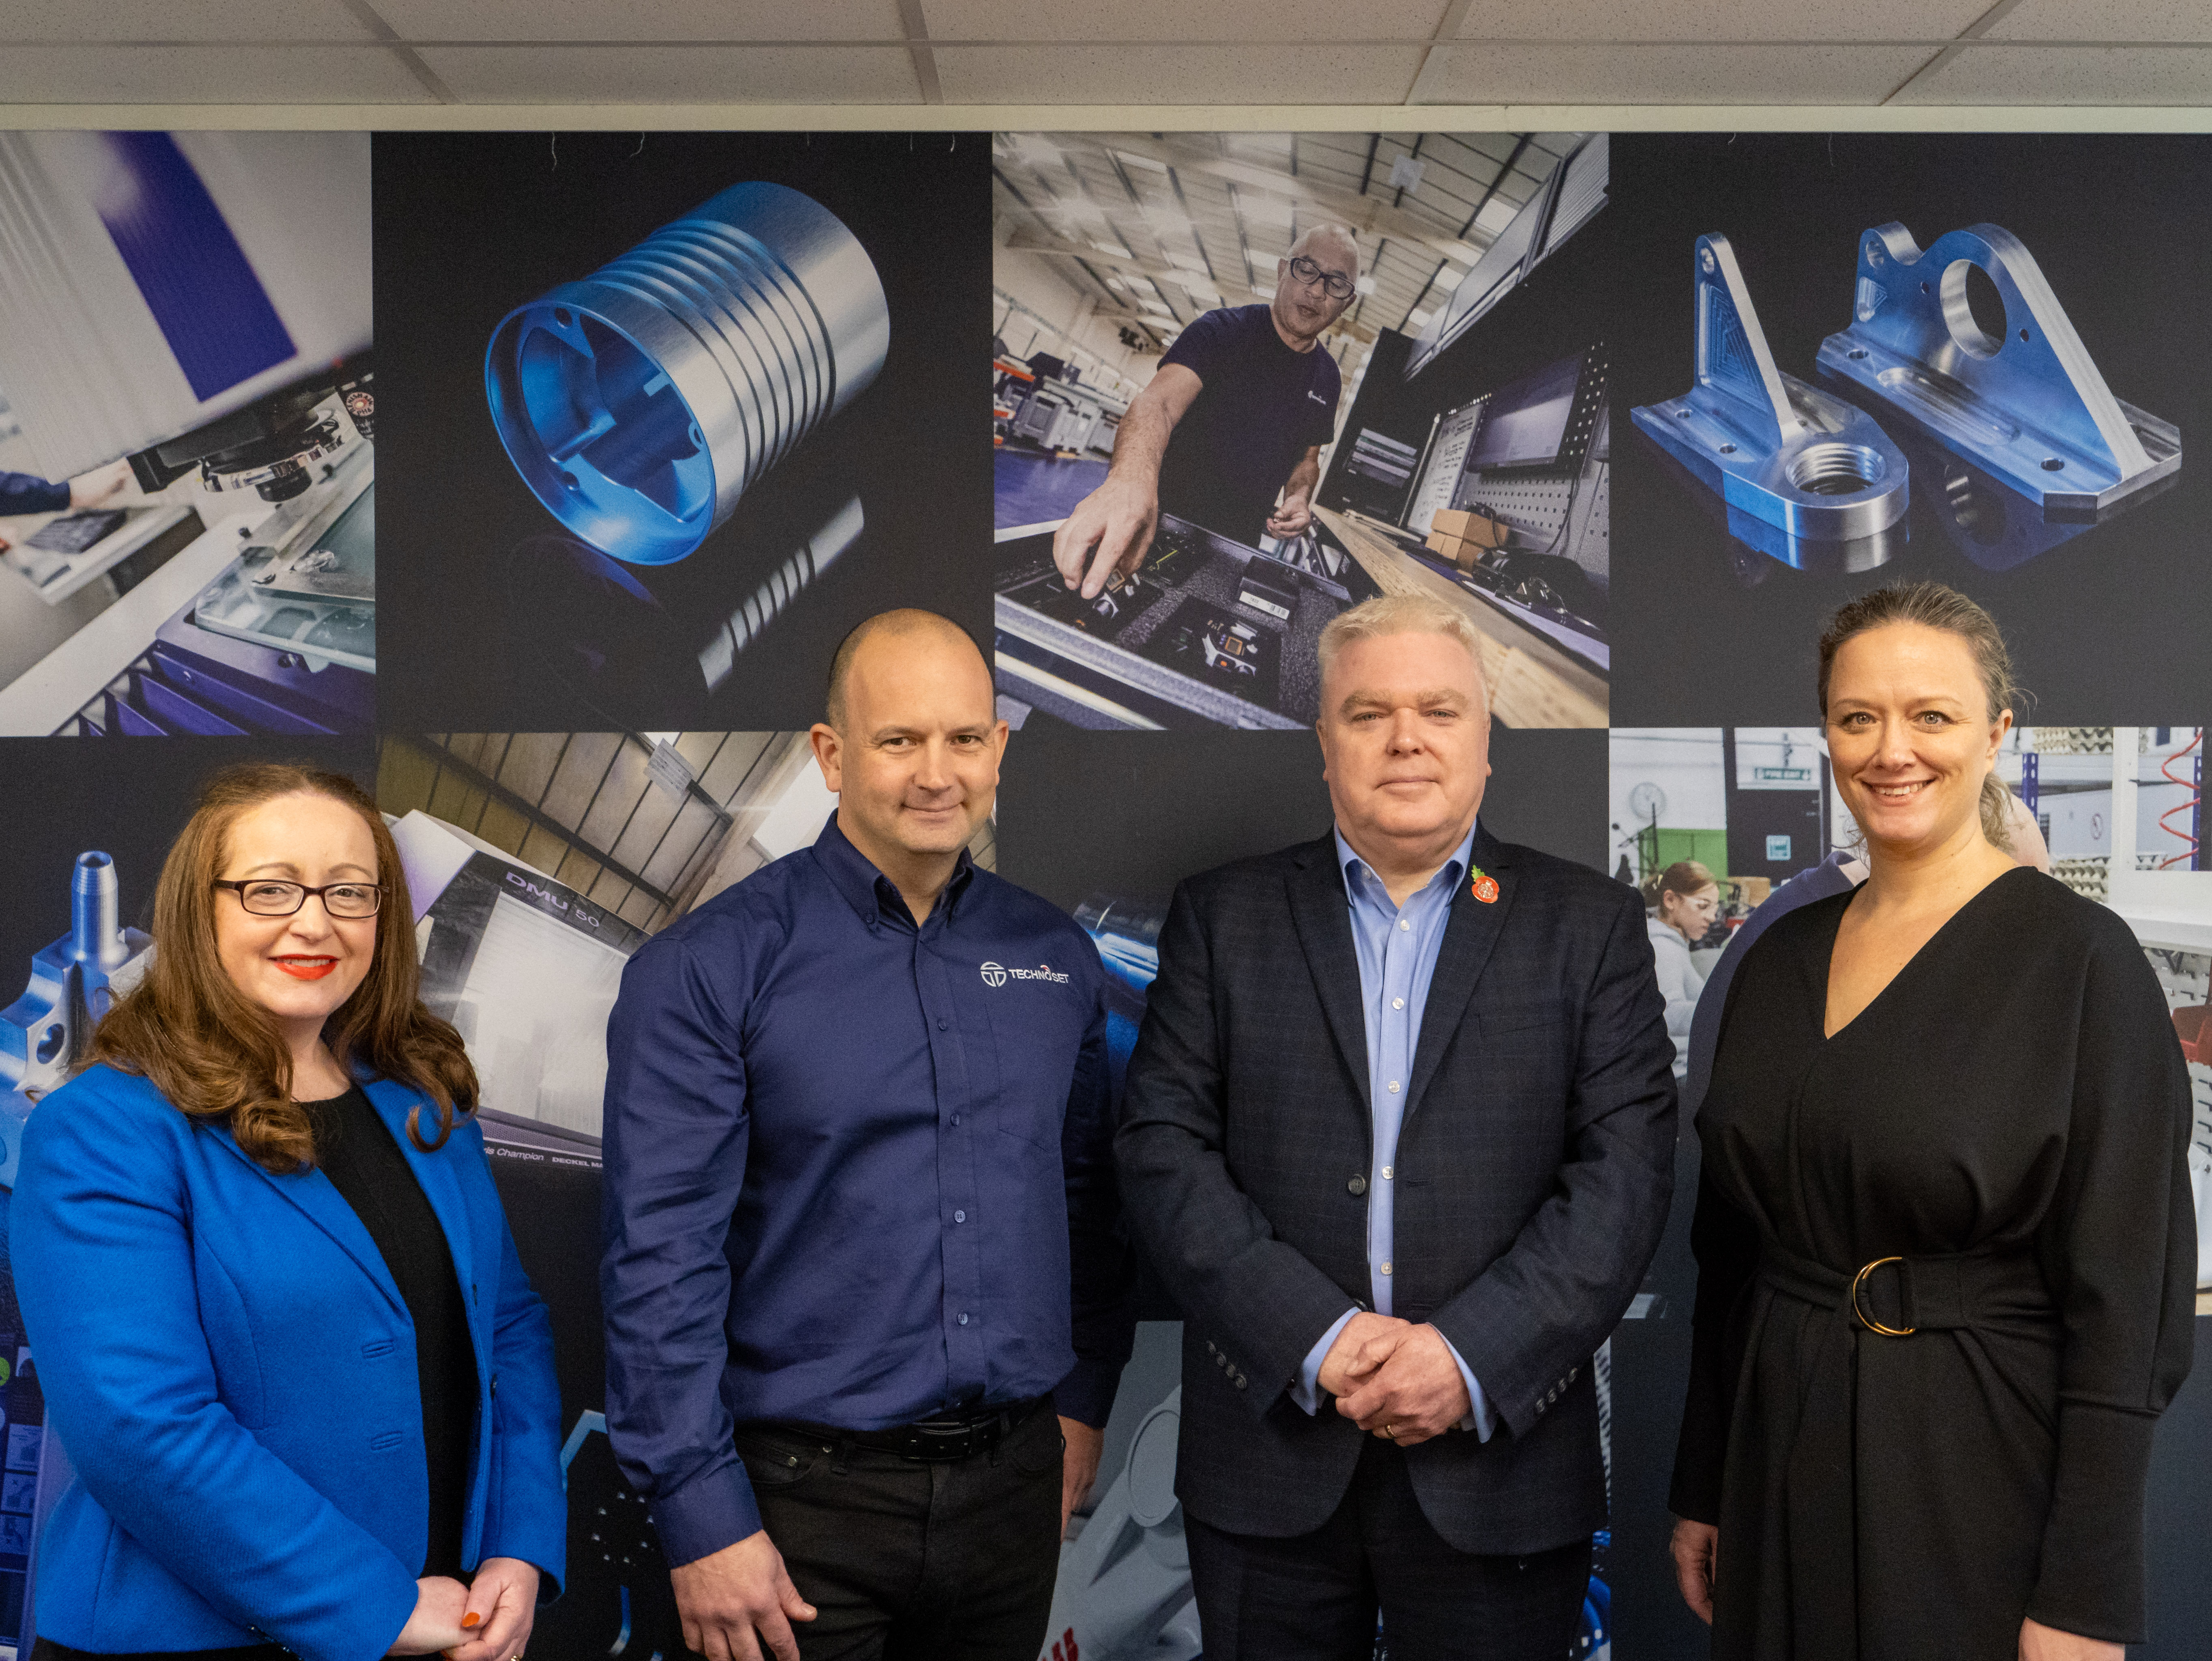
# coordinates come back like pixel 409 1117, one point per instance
pixel 857 1173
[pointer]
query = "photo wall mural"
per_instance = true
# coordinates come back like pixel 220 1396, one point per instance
pixel 656 419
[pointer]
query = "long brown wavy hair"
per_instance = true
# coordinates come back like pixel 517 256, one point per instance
pixel 217 1055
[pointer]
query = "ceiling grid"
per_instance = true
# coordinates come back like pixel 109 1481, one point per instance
pixel 1872 54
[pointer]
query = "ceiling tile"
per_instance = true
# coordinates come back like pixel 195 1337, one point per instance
pixel 179 20
pixel 1671 75
pixel 206 75
pixel 528 21
pixel 1176 75
pixel 1719 21
pixel 676 75
pixel 2069 75
pixel 1257 20
pixel 2107 20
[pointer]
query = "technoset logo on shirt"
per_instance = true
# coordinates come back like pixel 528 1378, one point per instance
pixel 996 975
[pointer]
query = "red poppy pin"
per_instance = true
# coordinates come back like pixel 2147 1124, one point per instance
pixel 1484 887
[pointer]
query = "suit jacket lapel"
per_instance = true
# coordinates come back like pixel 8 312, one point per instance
pixel 1322 915
pixel 1469 934
pixel 314 1194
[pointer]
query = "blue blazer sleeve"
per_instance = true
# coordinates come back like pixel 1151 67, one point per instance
pixel 102 1243
pixel 526 1512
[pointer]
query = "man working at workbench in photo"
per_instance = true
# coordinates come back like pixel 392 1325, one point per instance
pixel 1237 412
pixel 862 1233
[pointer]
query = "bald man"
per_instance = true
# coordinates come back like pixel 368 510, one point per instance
pixel 1235 414
pixel 864 1279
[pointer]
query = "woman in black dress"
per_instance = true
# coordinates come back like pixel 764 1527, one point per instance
pixel 1945 1241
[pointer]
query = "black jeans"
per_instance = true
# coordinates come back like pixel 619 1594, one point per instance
pixel 1315 1597
pixel 909 1561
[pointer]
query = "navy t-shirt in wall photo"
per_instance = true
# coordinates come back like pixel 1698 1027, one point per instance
pixel 1261 406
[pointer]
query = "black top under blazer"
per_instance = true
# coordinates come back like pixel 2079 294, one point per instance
pixel 1534 1172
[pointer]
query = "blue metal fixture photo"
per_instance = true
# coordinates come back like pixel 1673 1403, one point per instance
pixel 2006 384
pixel 1773 448
pixel 639 403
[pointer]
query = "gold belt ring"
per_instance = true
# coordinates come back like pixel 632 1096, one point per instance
pixel 1858 1281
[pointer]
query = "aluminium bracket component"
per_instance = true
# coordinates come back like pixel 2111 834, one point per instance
pixel 1785 453
pixel 2028 405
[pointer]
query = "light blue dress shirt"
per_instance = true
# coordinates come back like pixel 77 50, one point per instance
pixel 1397 948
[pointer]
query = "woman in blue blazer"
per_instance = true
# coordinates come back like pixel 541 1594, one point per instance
pixel 268 1289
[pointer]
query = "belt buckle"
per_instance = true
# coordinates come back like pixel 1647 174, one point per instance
pixel 1861 1316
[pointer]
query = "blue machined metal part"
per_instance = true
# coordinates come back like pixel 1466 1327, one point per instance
pixel 640 402
pixel 1781 452
pixel 46 1031
pixel 2027 404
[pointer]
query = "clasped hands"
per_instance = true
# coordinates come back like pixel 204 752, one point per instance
pixel 1394 1379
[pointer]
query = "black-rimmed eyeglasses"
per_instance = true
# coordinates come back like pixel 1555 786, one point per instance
pixel 269 898
pixel 1334 284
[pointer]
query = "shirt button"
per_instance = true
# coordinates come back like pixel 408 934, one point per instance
pixel 1402 923
pixel 1356 1185
pixel 955 1120
pixel 1386 1269
pixel 1386 1173
pixel 1397 1003
pixel 942 1023
pixel 959 1216
pixel 963 1318
pixel 1393 1086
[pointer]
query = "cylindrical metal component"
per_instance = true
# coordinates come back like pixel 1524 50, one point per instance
pixel 95 905
pixel 639 402
pixel 766 602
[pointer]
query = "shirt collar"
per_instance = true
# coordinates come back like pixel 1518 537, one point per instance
pixel 868 891
pixel 1355 869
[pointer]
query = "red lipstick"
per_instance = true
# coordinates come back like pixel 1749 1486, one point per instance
pixel 306 969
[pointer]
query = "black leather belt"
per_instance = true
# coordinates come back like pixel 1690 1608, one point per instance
pixel 940 1440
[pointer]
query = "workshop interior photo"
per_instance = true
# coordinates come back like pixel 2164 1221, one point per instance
pixel 2120 811
pixel 187 494
pixel 1471 451
pixel 538 861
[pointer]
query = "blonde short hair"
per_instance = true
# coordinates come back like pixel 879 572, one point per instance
pixel 1402 614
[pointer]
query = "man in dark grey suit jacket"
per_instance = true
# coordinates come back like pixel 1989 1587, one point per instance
pixel 1398 1129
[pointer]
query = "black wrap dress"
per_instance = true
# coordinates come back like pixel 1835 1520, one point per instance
pixel 2010 1117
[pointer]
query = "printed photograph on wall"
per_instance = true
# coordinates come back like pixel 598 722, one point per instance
pixel 1333 365
pixel 1855 358
pixel 670 415
pixel 539 862
pixel 187 407
pixel 1724 829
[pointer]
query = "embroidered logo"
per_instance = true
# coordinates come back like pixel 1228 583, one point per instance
pixel 996 975
pixel 1484 887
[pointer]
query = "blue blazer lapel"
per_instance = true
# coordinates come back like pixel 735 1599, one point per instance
pixel 313 1194
pixel 441 1185
pixel 1322 914
pixel 1469 935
